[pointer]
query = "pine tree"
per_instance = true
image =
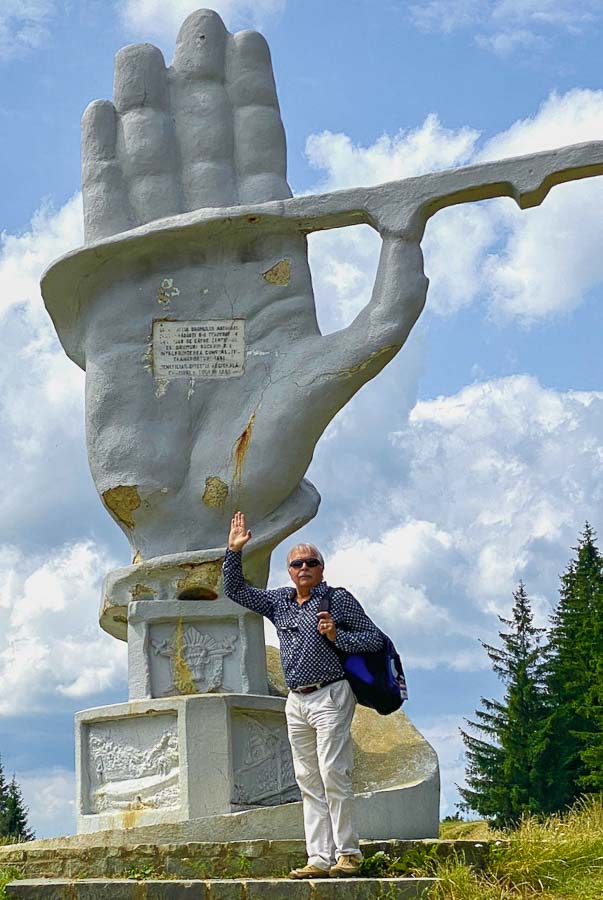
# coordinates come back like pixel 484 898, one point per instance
pixel 573 730
pixel 13 812
pixel 15 822
pixel 3 800
pixel 503 770
pixel 591 708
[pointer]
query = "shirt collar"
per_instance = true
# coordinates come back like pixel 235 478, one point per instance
pixel 317 591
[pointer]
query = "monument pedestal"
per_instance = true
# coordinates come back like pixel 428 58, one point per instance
pixel 170 760
pixel 200 735
pixel 183 647
pixel 200 751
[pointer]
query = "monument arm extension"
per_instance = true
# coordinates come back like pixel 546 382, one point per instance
pixel 399 208
pixel 403 207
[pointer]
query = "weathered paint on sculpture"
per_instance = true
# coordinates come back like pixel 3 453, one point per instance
pixel 208 385
pixel 190 225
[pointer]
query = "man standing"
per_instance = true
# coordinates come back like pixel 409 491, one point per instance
pixel 320 705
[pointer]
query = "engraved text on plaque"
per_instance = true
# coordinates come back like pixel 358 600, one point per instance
pixel 214 348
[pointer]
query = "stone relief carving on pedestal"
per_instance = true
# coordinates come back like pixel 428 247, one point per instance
pixel 196 660
pixel 123 776
pixel 263 767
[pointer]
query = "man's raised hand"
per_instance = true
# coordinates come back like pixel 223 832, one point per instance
pixel 239 533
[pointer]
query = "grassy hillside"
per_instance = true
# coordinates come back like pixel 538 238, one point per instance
pixel 560 858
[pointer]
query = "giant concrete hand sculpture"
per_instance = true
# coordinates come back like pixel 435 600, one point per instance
pixel 208 384
pixel 174 451
pixel 197 254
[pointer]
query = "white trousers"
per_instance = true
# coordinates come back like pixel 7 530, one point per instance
pixel 321 744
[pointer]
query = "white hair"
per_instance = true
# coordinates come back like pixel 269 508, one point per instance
pixel 309 547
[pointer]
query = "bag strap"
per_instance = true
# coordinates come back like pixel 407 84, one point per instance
pixel 325 601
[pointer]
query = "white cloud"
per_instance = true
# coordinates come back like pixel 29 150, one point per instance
pixel 446 15
pixel 47 488
pixel 559 13
pixel 410 152
pixel 444 736
pixel 513 469
pixel 24 26
pixel 23 257
pixel 52 644
pixel 156 18
pixel 573 117
pixel 507 25
pixel 344 262
pixel 50 798
pixel 489 486
pixel 525 265
pixel 504 43
pixel 49 576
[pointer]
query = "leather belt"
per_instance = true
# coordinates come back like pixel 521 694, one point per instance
pixel 310 688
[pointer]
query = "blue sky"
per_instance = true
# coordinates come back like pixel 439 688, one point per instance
pixel 472 461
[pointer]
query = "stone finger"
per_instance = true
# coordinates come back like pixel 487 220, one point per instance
pixel 203 112
pixel 201 47
pixel 145 138
pixel 106 207
pixel 260 151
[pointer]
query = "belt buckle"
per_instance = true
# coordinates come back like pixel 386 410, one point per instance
pixel 309 688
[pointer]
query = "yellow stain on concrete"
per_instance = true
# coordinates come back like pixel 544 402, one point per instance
pixel 137 558
pixel 183 678
pixel 280 273
pixel 202 577
pixel 216 492
pixel 122 501
pixel 366 362
pixel 140 590
pixel 130 817
pixel 241 447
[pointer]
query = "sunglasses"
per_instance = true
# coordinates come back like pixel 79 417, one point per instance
pixel 311 563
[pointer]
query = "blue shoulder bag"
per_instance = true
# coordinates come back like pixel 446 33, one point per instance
pixel 377 678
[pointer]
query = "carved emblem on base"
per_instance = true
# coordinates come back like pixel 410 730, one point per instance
pixel 196 660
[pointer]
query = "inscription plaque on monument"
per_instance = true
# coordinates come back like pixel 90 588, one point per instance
pixel 214 348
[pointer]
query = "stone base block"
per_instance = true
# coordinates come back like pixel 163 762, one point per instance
pixel 239 889
pixel 165 761
pixel 75 857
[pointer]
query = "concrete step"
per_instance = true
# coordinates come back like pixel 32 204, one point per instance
pixel 233 859
pixel 221 889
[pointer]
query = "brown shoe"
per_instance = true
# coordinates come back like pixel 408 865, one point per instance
pixel 346 867
pixel 310 872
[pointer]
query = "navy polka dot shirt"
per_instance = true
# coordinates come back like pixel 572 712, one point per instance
pixel 307 656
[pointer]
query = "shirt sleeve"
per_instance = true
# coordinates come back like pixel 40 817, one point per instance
pixel 237 589
pixel 355 632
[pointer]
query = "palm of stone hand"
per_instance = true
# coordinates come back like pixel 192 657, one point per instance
pixel 173 459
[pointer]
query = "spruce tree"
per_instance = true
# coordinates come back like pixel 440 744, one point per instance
pixel 3 801
pixel 591 752
pixel 15 823
pixel 573 731
pixel 503 765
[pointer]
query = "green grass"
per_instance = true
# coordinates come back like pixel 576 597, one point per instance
pixel 559 858
pixel 454 830
pixel 7 873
